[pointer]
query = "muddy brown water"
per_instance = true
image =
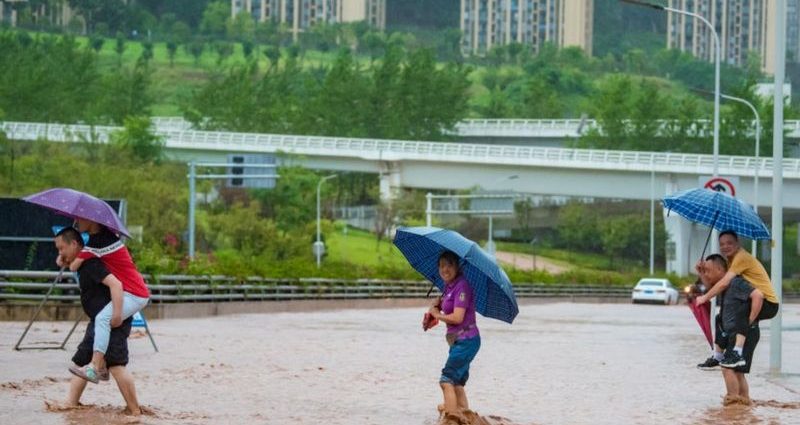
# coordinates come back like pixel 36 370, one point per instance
pixel 558 363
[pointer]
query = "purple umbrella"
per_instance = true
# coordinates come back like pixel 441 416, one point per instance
pixel 74 204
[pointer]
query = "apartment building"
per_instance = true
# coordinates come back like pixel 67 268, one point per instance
pixel 743 26
pixel 303 14
pixel 489 23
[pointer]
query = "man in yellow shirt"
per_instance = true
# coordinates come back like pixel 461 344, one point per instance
pixel 741 263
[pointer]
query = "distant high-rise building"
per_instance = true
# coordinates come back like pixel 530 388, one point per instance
pixel 793 30
pixel 743 26
pixel 489 23
pixel 56 12
pixel 303 14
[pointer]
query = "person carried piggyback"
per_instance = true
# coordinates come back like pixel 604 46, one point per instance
pixel 129 292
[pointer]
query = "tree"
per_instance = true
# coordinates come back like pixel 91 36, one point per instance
pixel 243 228
pixel 616 234
pixel 540 100
pixel 224 50
pixel 373 43
pixel 196 48
pixel 7 148
pixel 96 42
pixel 578 227
pixel 434 99
pixel 292 202
pixel 47 79
pixel 273 54
pixel 215 17
pixel 340 108
pixel 247 48
pixel 181 32
pixel 147 51
pixel 172 49
pixel 126 92
pixel 523 211
pixel 384 220
pixel 137 138
pixel 111 12
pixel 242 27
pixel 120 47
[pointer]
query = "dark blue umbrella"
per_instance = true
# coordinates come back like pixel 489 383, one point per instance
pixel 494 294
pixel 719 211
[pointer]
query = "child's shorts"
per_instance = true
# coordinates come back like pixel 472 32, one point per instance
pixel 117 353
pixel 456 370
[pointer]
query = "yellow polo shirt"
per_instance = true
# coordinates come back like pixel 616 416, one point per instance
pixel 753 271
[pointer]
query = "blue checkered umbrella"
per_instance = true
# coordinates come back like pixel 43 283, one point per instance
pixel 719 211
pixel 494 294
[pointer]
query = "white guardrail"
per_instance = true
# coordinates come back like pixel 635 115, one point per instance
pixel 398 150
pixel 508 127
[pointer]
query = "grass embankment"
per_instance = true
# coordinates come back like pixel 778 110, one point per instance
pixel 174 81
pixel 361 249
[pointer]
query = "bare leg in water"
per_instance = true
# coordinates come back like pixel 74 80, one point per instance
pixel 731 384
pixel 126 388
pixel 76 387
pixel 461 398
pixel 450 398
pixel 744 388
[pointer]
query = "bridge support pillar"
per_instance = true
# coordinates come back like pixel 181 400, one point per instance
pixel 685 240
pixel 390 181
pixel 685 243
pixel 678 236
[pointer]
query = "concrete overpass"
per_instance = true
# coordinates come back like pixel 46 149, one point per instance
pixel 438 165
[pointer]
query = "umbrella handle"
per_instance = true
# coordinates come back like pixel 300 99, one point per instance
pixel 708 238
pixel 429 291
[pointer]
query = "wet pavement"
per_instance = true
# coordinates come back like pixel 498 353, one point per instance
pixel 560 363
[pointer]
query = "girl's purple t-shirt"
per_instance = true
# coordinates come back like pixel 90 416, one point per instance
pixel 459 294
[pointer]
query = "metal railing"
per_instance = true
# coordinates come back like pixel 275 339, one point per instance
pixel 511 127
pixel 31 286
pixel 397 150
pixel 18 285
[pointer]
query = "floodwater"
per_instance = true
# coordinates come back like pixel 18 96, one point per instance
pixel 559 363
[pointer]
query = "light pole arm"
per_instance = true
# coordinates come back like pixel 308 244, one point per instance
pixel 718 59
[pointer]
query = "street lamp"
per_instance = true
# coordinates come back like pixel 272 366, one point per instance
pixel 758 146
pixel 776 265
pixel 717 59
pixel 319 247
pixel 757 149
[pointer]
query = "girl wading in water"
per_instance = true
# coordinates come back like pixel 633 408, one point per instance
pixel 456 308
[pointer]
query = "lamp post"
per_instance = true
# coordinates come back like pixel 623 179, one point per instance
pixel 652 214
pixel 776 324
pixel 758 147
pixel 319 247
pixel 717 59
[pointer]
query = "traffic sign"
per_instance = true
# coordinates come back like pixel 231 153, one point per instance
pixel 720 184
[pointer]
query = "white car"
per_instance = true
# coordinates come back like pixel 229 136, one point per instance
pixel 656 290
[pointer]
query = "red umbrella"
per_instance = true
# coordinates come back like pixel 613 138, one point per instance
pixel 703 315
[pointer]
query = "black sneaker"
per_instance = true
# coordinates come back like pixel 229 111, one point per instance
pixel 732 359
pixel 709 364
